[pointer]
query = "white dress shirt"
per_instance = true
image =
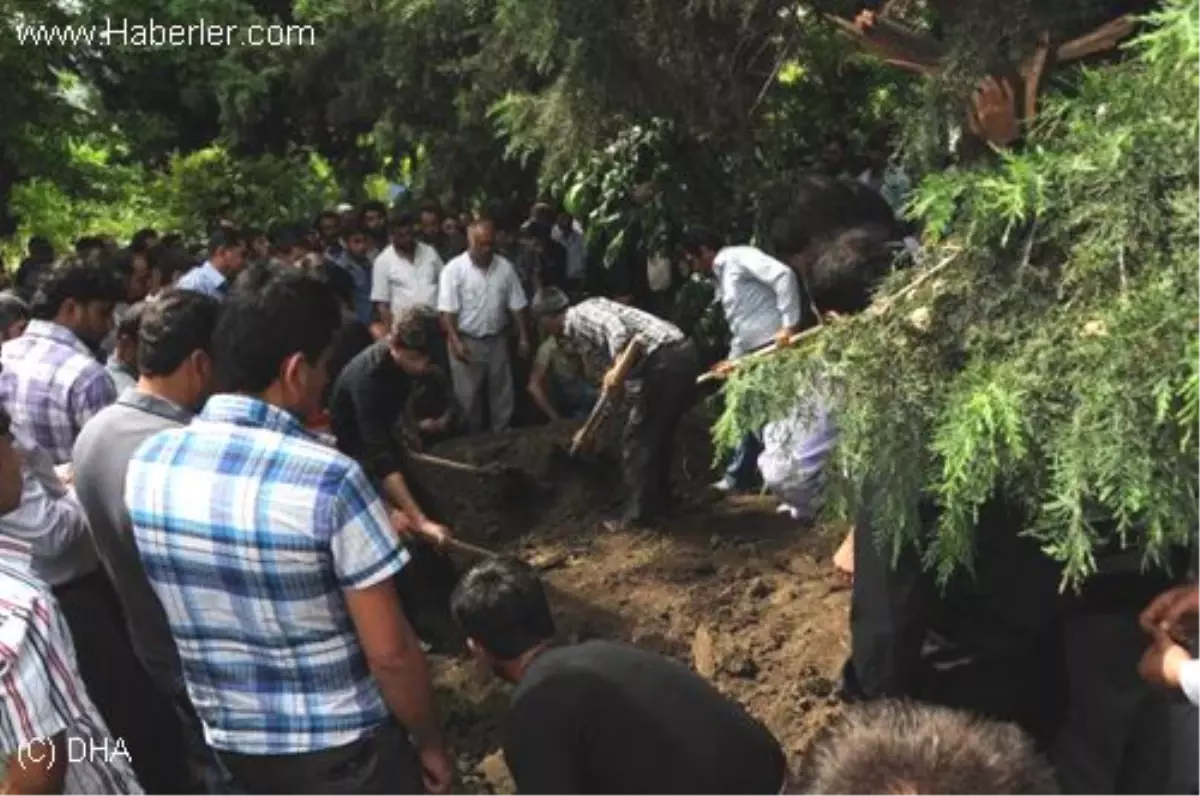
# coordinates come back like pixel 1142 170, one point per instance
pixel 759 294
pixel 401 283
pixel 49 518
pixel 481 297
pixel 572 241
pixel 1189 680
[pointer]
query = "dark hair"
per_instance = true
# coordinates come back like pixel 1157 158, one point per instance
pixel 372 205
pixel 88 243
pixel 41 249
pixel 696 238
pixel 847 270
pixel 899 747
pixel 288 236
pixel 429 206
pixel 271 314
pixel 72 278
pixel 167 261
pixel 12 309
pixel 130 321
pixel 225 237
pixel 326 214
pixel 140 241
pixel 350 230
pixel 404 218
pixel 251 233
pixel 501 604
pixel 174 325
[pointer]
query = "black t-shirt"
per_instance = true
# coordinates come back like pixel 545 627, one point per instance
pixel 368 398
pixel 602 717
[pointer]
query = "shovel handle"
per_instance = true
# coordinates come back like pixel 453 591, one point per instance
pixel 469 549
pixel 450 464
pixel 713 375
pixel 621 370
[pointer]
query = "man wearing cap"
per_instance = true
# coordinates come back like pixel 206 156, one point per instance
pixel 660 388
pixel 368 398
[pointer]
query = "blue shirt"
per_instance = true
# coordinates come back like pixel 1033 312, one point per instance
pixel 249 531
pixel 204 279
pixel 360 272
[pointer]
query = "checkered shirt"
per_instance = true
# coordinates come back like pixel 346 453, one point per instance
pixel 41 692
pixel 249 531
pixel 52 385
pixel 604 327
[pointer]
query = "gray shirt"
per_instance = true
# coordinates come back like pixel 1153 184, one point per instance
pixel 102 454
pixel 759 294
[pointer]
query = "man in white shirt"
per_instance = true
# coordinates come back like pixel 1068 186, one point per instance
pixel 479 292
pixel 405 273
pixel 569 234
pixel 761 300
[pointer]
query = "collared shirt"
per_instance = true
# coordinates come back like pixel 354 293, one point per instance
pixel 360 273
pixel 759 294
pixel 41 692
pixel 122 374
pixel 481 297
pixel 401 282
pixel 101 459
pixel 205 279
pixel 49 518
pixel 605 327
pixel 249 531
pixel 572 241
pixel 52 385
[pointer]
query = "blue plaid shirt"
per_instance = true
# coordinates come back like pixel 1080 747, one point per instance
pixel 205 279
pixel 249 531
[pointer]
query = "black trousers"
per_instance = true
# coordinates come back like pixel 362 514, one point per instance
pixel 132 706
pixel 382 762
pixel 659 396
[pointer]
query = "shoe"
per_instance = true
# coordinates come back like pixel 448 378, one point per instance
pixel 725 485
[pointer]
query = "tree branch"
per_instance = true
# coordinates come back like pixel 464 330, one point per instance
pixel 1102 38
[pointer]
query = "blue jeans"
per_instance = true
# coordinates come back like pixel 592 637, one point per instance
pixel 742 469
pixel 574 399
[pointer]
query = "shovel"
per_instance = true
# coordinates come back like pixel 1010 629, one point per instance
pixel 625 363
pixel 515 479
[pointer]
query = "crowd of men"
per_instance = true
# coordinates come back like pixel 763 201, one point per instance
pixel 218 563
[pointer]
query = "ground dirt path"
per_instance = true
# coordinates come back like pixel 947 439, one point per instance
pixel 745 596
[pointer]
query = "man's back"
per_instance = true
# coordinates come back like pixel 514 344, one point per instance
pixel 101 459
pixel 249 531
pixel 602 717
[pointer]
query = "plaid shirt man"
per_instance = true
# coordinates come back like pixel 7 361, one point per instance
pixel 41 693
pixel 52 385
pixel 604 327
pixel 249 531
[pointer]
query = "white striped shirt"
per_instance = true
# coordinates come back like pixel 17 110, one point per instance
pixel 41 692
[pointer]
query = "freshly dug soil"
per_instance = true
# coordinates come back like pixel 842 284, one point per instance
pixel 747 597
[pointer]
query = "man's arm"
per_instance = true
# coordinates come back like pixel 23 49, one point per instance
pixel 537 384
pixel 541 736
pixel 448 308
pixel 381 291
pixel 518 305
pixel 50 524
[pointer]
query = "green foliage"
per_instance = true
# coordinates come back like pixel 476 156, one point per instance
pixel 1048 345
pixel 211 183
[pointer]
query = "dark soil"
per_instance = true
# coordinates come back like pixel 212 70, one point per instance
pixel 747 597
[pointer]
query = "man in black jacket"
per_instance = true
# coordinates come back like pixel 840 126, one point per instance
pixel 368 398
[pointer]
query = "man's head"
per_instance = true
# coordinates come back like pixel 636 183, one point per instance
pixel 327 225
pixel 41 249
pixel 542 212
pixel 355 242
pixel 174 343
pixel 274 336
pixel 128 326
pixel 258 246
pixel 288 244
pixel 403 229
pixel 133 269
pixel 81 297
pixel 550 309
pixel 10 467
pixel 167 265
pixel 481 242
pixel 14 316
pixel 701 245
pixel 565 221
pixel 431 222
pixel 833 155
pixel 408 342
pixel 501 607
pixel 347 216
pixel 227 251
pixel 450 228
pixel 911 748
pixel 89 247
pixel 143 240
pixel 373 217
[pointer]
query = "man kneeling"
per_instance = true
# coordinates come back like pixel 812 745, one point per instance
pixel 603 717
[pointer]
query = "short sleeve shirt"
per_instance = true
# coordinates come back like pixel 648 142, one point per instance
pixel 482 298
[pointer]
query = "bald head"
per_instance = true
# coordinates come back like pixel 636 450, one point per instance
pixel 481 241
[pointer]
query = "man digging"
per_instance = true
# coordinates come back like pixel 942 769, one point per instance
pixel 660 389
